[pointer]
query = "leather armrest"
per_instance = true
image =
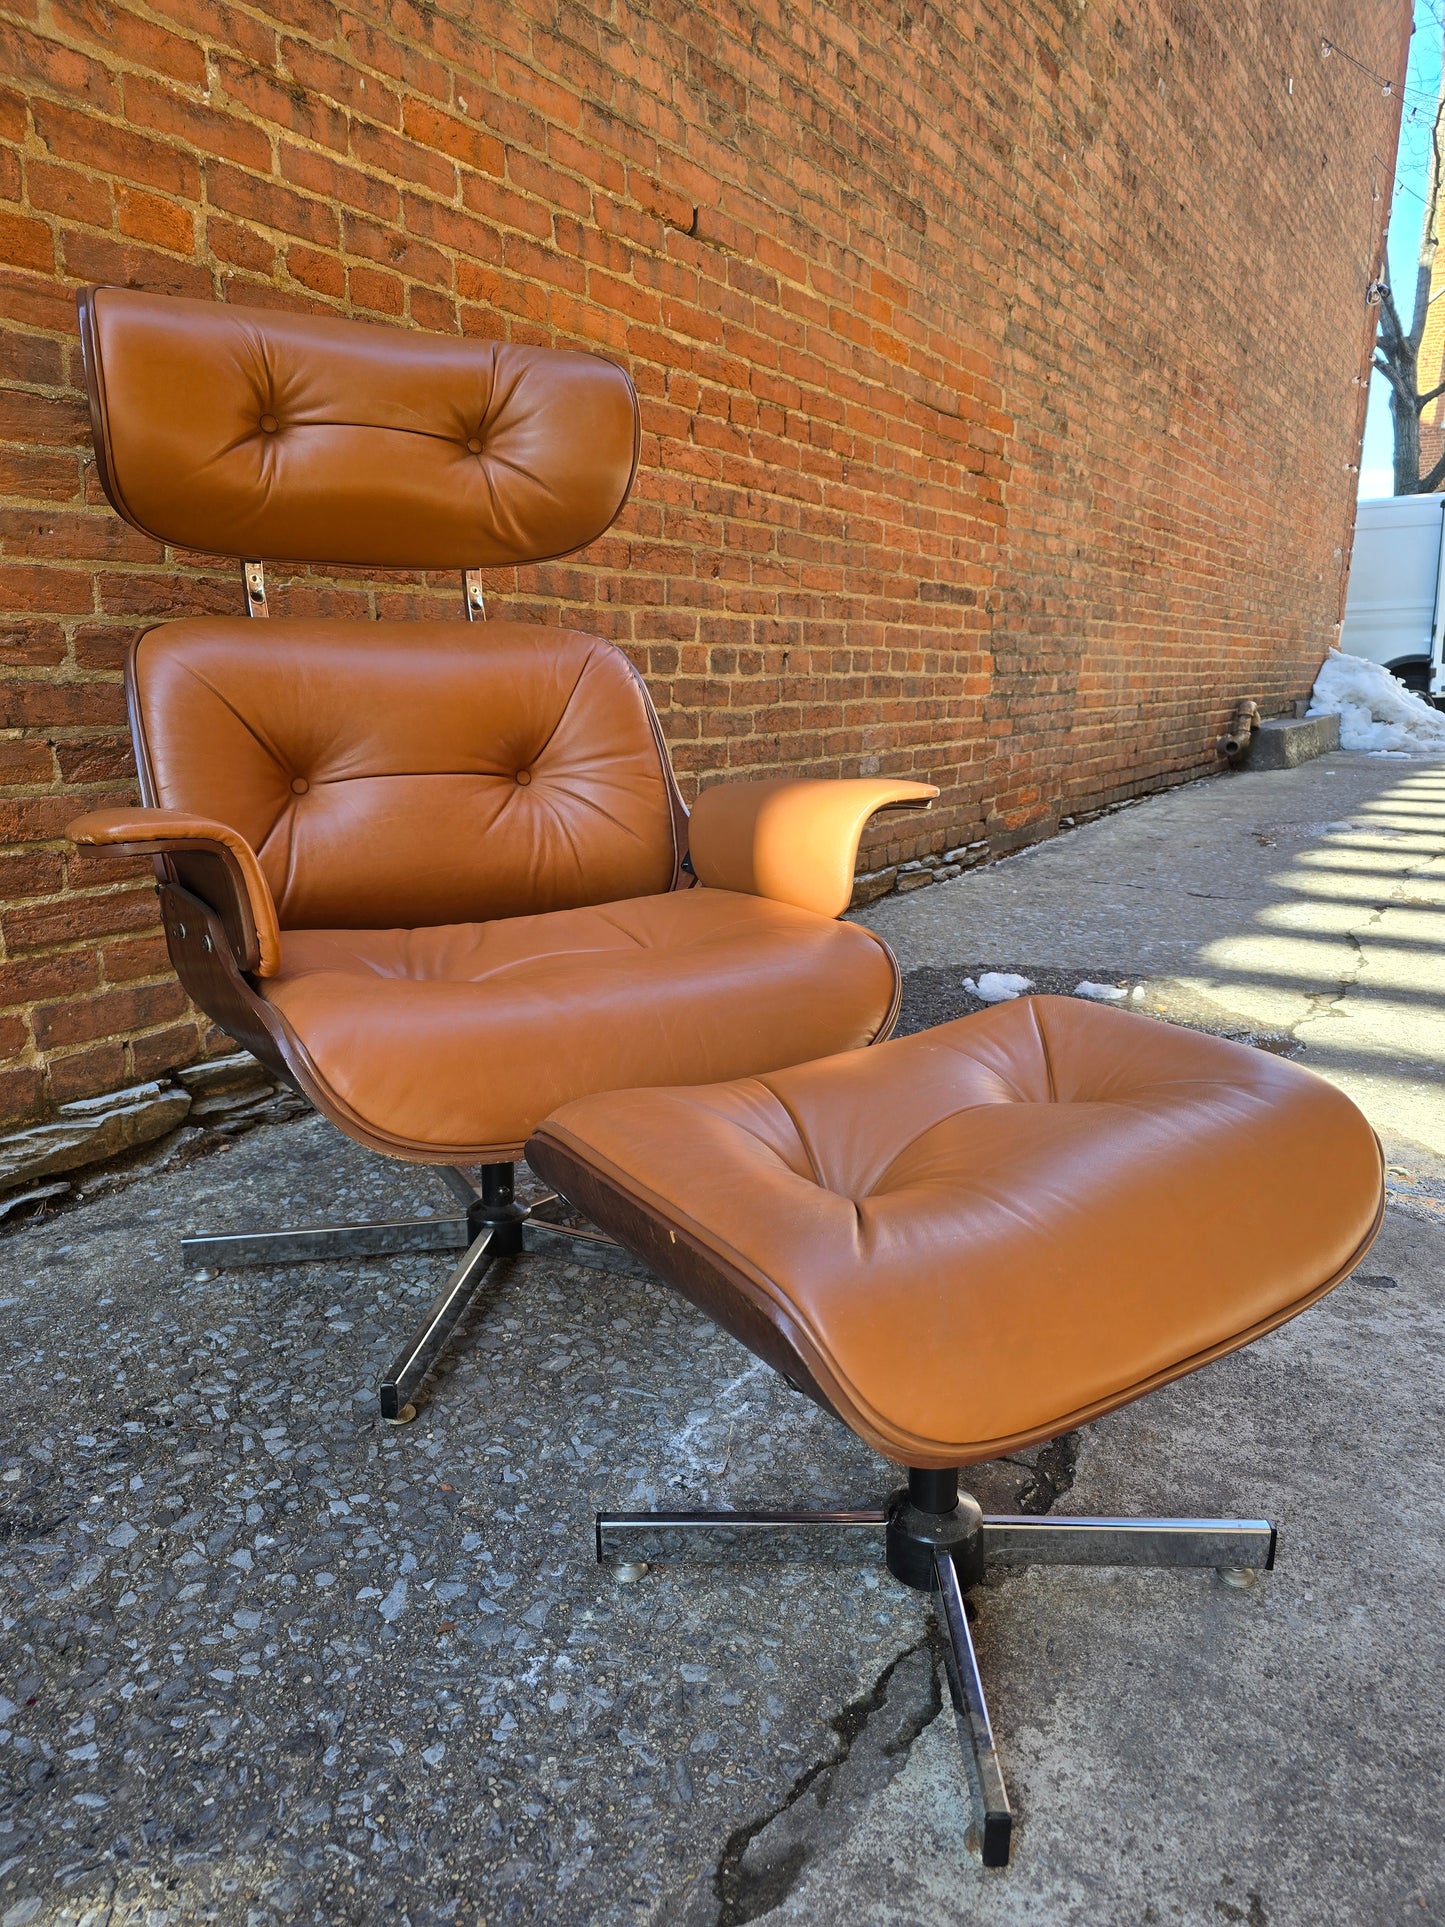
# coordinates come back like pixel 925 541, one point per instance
pixel 793 839
pixel 229 871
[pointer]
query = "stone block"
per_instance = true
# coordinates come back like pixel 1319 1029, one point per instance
pixel 89 1130
pixel 872 885
pixel 1286 741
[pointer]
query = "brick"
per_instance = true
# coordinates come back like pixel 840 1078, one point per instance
pixel 12 114
pixel 28 473
pixel 242 246
pixel 45 63
pixel 340 181
pixel 289 104
pixel 381 293
pixel 26 242
pixel 57 421
pixel 69 974
pixel 22 1093
pixel 403 160
pixel 201 125
pixel 26 760
pixel 86 1073
pixel 432 310
pixel 50 704
pixel 223 26
pixel 274 206
pixel 135 957
pixel 61 536
pixel 104 1014
pixel 159 1051
pixel 101 647
pixel 463 140
pixel 398 251
pixel 62 591
pixel 93 257
pixel 99 760
pixel 347 84
pixel 87 870
pixel 30 358
pixel 118 30
pixel 30 873
pixel 322 272
pixel 154 218
pixel 36 301
pixel 100 145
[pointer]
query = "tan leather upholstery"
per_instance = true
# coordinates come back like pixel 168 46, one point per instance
pixel 412 773
pixel 978 1237
pixel 792 839
pixel 171 833
pixel 428 1037
pixel 469 837
pixel 429 871
pixel 253 432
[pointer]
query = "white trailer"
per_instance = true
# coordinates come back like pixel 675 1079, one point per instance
pixel 1395 604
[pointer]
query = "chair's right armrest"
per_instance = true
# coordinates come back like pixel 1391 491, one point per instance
pixel 230 872
pixel 792 838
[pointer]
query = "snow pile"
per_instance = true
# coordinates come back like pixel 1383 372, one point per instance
pixel 1376 711
pixel 1101 993
pixel 998 986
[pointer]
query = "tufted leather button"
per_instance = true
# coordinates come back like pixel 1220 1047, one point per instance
pixel 524 776
pixel 474 446
pixel 299 786
pixel 269 424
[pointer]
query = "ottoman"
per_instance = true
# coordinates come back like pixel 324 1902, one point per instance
pixel 971 1240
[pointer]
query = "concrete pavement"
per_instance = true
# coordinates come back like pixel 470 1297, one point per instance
pixel 264 1660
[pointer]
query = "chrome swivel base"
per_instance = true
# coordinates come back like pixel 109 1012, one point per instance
pixel 937 1540
pixel 493 1226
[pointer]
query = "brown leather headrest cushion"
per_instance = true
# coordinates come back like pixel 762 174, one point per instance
pixel 303 438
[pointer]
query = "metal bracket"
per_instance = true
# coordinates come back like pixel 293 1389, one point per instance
pixel 473 599
pixel 253 575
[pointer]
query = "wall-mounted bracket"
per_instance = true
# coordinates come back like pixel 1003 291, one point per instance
pixel 253 575
pixel 473 599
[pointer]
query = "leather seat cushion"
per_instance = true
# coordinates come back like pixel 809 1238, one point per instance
pixel 684 987
pixel 975 1238
pixel 390 773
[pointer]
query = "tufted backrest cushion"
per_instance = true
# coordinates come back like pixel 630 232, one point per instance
pixel 393 775
pixel 310 439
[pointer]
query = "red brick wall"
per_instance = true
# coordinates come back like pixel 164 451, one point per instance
pixel 997 369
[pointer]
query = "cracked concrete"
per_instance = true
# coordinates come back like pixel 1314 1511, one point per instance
pixel 263 1660
pixel 764 1861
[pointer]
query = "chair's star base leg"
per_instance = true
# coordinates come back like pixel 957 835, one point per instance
pixel 494 1226
pixel 970 1712
pixel 419 1354
pixel 307 1242
pixel 739 1538
pixel 936 1540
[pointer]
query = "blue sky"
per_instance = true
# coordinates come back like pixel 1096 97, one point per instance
pixel 1422 86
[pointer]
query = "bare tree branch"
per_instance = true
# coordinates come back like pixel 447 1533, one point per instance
pixel 1397 348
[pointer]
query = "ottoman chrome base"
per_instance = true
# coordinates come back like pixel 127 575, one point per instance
pixel 937 1540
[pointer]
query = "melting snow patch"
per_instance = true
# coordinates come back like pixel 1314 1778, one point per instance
pixel 1101 993
pixel 1376 711
pixel 998 986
